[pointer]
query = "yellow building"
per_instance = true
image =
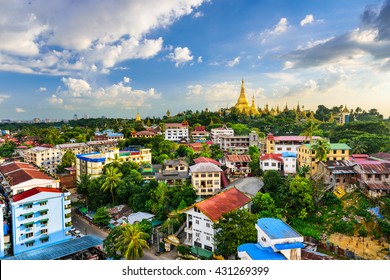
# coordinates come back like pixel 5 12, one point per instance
pixel 242 104
pixel 338 151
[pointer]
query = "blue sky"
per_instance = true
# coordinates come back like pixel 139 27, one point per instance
pixel 59 58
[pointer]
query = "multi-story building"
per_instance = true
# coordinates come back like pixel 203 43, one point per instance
pixel 40 217
pixel 271 162
pixel 176 131
pixel 19 177
pixel 238 144
pixel 202 215
pixel 279 144
pixel 199 134
pixel 44 157
pixel 93 163
pixel 307 156
pixel 102 145
pixel 173 172
pixel 374 178
pixel 206 178
pixel 216 133
pixel 276 240
pixel 76 148
pixel 237 165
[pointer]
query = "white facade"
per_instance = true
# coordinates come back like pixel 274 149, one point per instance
pixel 76 148
pixel 176 132
pixel 205 178
pixel 216 133
pixel 290 164
pixel 40 217
pixel 270 164
pixel 199 230
pixel 43 157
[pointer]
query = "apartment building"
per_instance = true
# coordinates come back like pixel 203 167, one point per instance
pixel 216 133
pixel 176 131
pixel 40 217
pixel 44 157
pixel 238 144
pixel 279 144
pixel 206 178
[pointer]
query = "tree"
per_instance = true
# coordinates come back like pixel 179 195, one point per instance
pixel 357 146
pixel 309 130
pixel 110 241
pixel 7 149
pixel 303 170
pixel 113 177
pixel 84 183
pixel 233 229
pixel 265 206
pixel 102 216
pixel 68 160
pixel 300 198
pixel 321 148
pixel 272 180
pixel 132 242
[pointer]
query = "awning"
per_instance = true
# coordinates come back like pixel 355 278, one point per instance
pixel 43 220
pixel 28 214
pixel 44 210
pixel 83 210
pixel 43 201
pixel 28 224
pixel 44 238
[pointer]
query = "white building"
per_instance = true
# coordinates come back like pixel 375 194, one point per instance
pixel 44 157
pixel 216 133
pixel 176 131
pixel 40 217
pixel 276 240
pixel 76 148
pixel 289 162
pixel 202 215
pixel 287 143
pixel 19 177
pixel 238 144
pixel 271 162
pixel 206 178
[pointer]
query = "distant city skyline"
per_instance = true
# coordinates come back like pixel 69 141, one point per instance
pixel 114 58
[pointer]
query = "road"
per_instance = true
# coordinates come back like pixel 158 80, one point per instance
pixel 86 228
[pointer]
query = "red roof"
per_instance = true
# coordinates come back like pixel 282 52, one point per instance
pixel 224 202
pixel 374 168
pixel 378 186
pixel 205 159
pixel 175 125
pixel 34 191
pixel 200 128
pixel 277 157
pixel 19 172
pixel 238 158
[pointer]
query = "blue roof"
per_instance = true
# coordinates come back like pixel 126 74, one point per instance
pixel 257 252
pixel 86 157
pixel 285 246
pixel 289 154
pixel 277 229
pixel 60 250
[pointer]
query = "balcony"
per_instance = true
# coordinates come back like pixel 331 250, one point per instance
pixel 188 242
pixel 188 229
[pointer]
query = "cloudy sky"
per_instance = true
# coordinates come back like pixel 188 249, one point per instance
pixel 114 57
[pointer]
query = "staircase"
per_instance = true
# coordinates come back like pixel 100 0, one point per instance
pixel 339 192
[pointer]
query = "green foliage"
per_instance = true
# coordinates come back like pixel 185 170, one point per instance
pixel 272 181
pixel 109 243
pixel 347 228
pixel 321 148
pixel 132 242
pixel 233 229
pixel 112 179
pixel 300 199
pixel 102 216
pixel 7 149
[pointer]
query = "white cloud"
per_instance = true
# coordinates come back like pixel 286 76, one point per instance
pixel 91 35
pixel 198 14
pixel 280 27
pixel 200 59
pixel 307 20
pixel 78 94
pixel 42 89
pixel 19 110
pixel 180 56
pixel 234 62
pixel 288 65
pixel 3 97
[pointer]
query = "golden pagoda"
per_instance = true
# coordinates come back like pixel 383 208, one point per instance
pixel 345 110
pixel 254 111
pixel 137 117
pixel 242 104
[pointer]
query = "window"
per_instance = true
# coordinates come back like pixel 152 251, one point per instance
pixel 208 225
pixel 43 212
pixel 44 231
pixel 28 206
pixel 28 225
pixel 266 164
pixel 29 234
pixel 343 151
pixel 44 239
pixel 30 243
pixel 273 164
pixel 208 248
pixel 197 222
pixel 28 215
pixel 208 238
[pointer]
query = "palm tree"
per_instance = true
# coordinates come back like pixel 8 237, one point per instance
pixel 321 148
pixel 113 177
pixel 132 242
pixel 358 147
pixel 84 183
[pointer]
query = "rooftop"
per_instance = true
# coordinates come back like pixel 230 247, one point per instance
pixel 18 172
pixel 205 167
pixel 238 158
pixel 335 146
pixel 277 157
pixel 258 252
pixel 34 191
pixel 223 202
pixel 298 138
pixel 205 159
pixel 277 229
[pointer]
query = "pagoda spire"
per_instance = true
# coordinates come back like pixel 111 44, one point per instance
pixel 254 110
pixel 242 103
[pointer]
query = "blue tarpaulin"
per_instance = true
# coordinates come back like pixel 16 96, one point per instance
pixel 375 211
pixel 5 228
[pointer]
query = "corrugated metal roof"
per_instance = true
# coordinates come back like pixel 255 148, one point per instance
pixel 60 250
pixel 257 252
pixel 277 229
pixel 205 167
pixel 223 202
pixel 238 158
pixel 374 168
pixel 285 246
pixel 205 159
